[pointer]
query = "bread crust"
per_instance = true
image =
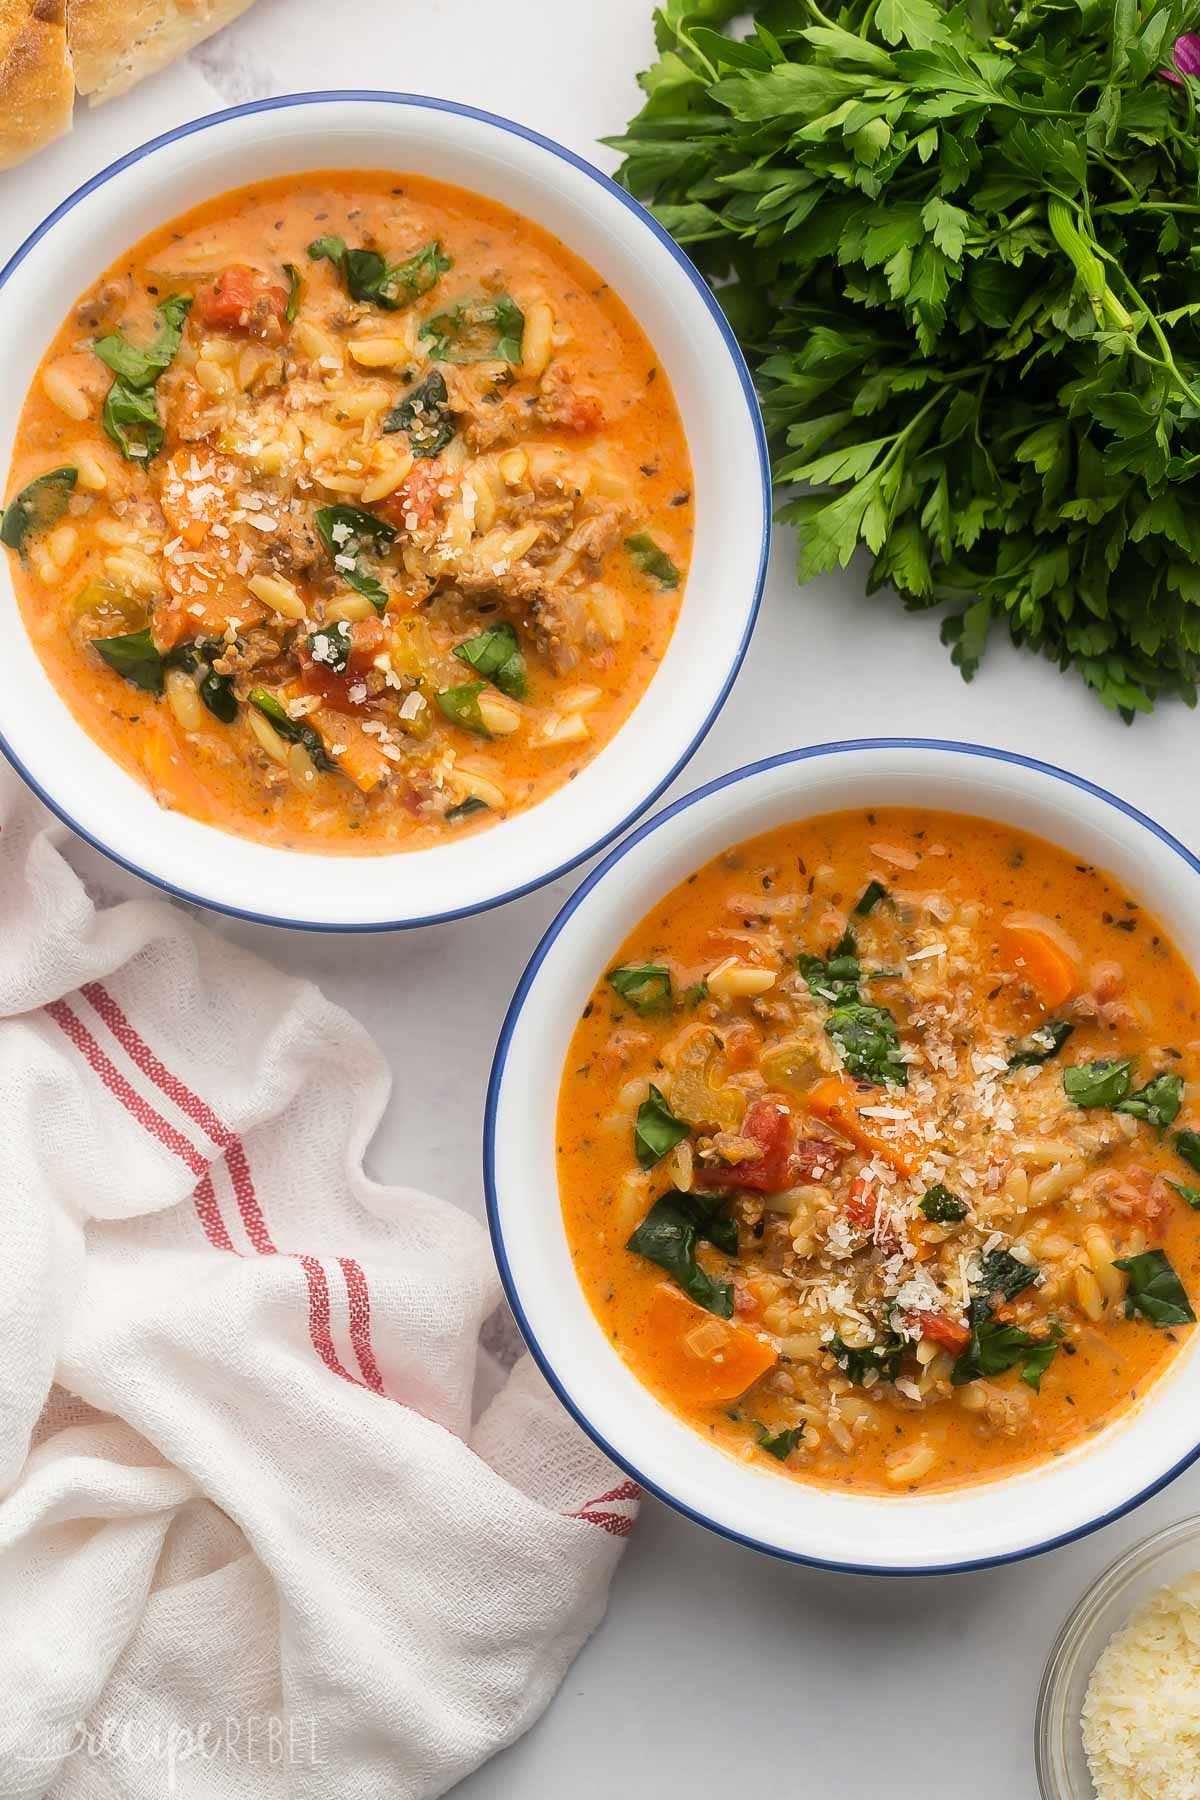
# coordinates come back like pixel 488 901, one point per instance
pixel 117 43
pixel 37 91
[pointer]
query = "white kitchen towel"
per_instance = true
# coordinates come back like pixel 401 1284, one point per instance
pixel 251 1544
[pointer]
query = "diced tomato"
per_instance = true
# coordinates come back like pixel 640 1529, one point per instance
pixel 412 505
pixel 941 1329
pixel 769 1124
pixel 861 1204
pixel 242 299
pixel 816 1159
pixel 366 641
pixel 560 404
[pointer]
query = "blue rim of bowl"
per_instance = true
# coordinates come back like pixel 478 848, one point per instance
pixel 496 1082
pixel 327 96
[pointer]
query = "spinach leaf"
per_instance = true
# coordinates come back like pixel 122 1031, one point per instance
pixel 1187 1146
pixel 644 986
pixel 1101 1083
pixel 869 899
pixel 992 1349
pixel 294 731
pixel 1158 1103
pixel 779 1444
pixel 1155 1290
pixel 497 654
pixel 40 504
pixel 1190 1194
pixel 216 691
pixel 1039 1360
pixel 857 1363
pixel 140 365
pixel 130 415
pixel 425 415
pixel 657 1130
pixel 349 534
pixel 668 1236
pixel 477 331
pixel 1002 1273
pixel 652 559
pixel 465 808
pixel 461 706
pixel 130 418
pixel 942 1207
pixel 331 646
pixel 138 659
pixel 1041 1044
pixel 368 277
pixel 865 1035
pixel 135 656
pixel 295 287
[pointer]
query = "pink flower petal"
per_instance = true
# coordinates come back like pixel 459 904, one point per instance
pixel 1187 57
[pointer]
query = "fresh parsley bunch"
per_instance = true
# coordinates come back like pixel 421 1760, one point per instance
pixel 961 245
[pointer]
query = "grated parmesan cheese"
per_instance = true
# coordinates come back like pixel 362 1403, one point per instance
pixel 1141 1713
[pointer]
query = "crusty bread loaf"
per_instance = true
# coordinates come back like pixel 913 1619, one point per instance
pixel 115 43
pixel 36 88
pixel 50 48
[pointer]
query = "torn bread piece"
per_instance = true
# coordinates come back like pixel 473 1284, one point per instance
pixel 117 43
pixel 37 91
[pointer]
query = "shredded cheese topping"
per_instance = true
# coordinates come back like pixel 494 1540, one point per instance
pixel 1141 1714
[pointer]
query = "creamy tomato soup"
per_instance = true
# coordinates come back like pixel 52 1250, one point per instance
pixel 878 1150
pixel 350 512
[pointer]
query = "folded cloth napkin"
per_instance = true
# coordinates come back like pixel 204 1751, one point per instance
pixel 251 1543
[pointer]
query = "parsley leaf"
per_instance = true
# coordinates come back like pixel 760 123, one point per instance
pixel 865 1035
pixel 657 1130
pixel 959 241
pixel 668 1236
pixel 644 986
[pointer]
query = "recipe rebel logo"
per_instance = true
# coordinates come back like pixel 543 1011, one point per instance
pixel 253 1738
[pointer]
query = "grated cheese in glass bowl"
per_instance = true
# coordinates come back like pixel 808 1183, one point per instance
pixel 1118 1716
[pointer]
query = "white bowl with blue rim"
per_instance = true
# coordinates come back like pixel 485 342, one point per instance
pixel 995 1521
pixel 296 134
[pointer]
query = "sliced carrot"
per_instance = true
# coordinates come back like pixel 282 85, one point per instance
pixel 193 492
pixel 701 1359
pixel 840 1104
pixel 1041 954
pixel 172 779
pixel 353 750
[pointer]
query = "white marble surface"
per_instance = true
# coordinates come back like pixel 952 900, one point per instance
pixel 716 1668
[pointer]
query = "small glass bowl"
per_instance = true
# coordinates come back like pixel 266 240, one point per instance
pixel 1156 1562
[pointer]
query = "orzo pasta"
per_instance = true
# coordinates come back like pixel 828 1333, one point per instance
pixel 879 1144
pixel 350 512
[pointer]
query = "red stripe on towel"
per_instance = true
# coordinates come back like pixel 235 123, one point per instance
pixel 360 1321
pixel 204 1199
pixel 155 1070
